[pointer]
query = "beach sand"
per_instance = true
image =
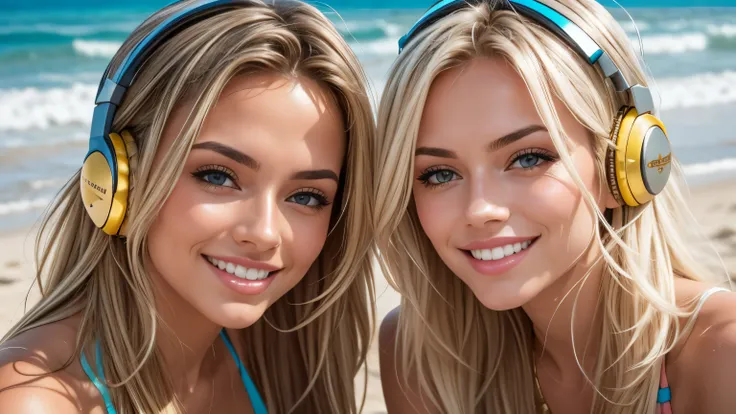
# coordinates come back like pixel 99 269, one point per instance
pixel 713 205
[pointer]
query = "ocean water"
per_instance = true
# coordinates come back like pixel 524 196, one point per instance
pixel 52 55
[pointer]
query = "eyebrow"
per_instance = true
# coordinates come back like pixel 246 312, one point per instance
pixel 504 141
pixel 435 152
pixel 229 152
pixel 249 162
pixel 315 175
pixel 509 139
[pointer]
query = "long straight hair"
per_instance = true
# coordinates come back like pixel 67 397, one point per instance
pixel 465 357
pixel 306 350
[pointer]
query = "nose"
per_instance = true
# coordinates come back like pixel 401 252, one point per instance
pixel 484 207
pixel 258 223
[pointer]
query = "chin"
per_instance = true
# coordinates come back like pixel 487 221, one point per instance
pixel 237 315
pixel 500 303
pixel 502 295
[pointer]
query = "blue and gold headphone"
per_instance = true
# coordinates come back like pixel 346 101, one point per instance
pixel 105 174
pixel 639 167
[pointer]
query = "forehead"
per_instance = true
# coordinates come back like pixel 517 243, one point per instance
pixel 483 96
pixel 277 119
pixel 291 108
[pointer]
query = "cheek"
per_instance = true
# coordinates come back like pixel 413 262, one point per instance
pixel 306 236
pixel 553 202
pixel 436 211
pixel 558 204
pixel 186 220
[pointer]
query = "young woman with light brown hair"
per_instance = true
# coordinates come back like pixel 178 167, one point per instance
pixel 212 253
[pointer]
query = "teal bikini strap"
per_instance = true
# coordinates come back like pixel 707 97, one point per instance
pixel 100 385
pixel 258 406
pixel 99 382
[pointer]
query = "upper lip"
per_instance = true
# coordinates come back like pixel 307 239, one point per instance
pixel 245 262
pixel 496 242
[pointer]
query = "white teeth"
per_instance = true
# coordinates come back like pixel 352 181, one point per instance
pixel 508 250
pixel 252 274
pixel 238 270
pixel 499 252
pixel 485 254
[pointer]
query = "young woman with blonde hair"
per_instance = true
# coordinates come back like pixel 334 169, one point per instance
pixel 524 212
pixel 211 254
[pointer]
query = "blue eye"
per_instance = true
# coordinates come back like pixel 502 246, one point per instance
pixel 216 176
pixel 305 200
pixel 309 199
pixel 433 177
pixel 528 161
pixel 529 158
pixel 441 177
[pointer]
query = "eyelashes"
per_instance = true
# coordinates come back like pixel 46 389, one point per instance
pixel 218 177
pixel 529 158
pixel 437 176
pixel 525 160
pixel 310 197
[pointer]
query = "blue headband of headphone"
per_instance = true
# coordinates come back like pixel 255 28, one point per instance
pixel 111 91
pixel 554 21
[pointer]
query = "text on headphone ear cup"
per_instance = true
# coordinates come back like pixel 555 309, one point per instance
pixel 611 157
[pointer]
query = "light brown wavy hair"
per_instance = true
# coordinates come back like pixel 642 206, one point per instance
pixel 304 354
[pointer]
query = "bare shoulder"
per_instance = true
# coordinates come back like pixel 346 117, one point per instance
pixel 39 375
pixel 387 332
pixel 703 370
pixel 400 396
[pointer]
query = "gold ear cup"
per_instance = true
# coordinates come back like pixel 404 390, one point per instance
pixel 132 151
pixel 106 205
pixel 120 198
pixel 611 157
pixel 642 157
pixel 96 188
pixel 622 159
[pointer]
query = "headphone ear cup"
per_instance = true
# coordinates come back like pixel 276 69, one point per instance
pixel 119 205
pixel 642 159
pixel 95 180
pixel 131 149
pixel 611 157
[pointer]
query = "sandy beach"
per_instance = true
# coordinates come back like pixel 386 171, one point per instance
pixel 713 205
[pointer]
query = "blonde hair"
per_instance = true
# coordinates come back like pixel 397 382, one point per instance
pixel 464 357
pixel 319 330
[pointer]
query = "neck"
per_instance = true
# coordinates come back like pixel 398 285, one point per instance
pixel 567 323
pixel 185 338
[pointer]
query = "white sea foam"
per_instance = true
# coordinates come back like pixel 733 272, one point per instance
pixel 14 207
pixel 656 44
pixel 22 109
pixel 700 90
pixel 95 48
pixel 705 168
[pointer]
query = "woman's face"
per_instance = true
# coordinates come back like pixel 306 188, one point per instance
pixel 491 194
pixel 250 212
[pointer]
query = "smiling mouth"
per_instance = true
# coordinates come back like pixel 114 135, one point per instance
pixel 239 271
pixel 501 252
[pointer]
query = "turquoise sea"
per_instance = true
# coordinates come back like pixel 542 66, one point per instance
pixel 52 54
